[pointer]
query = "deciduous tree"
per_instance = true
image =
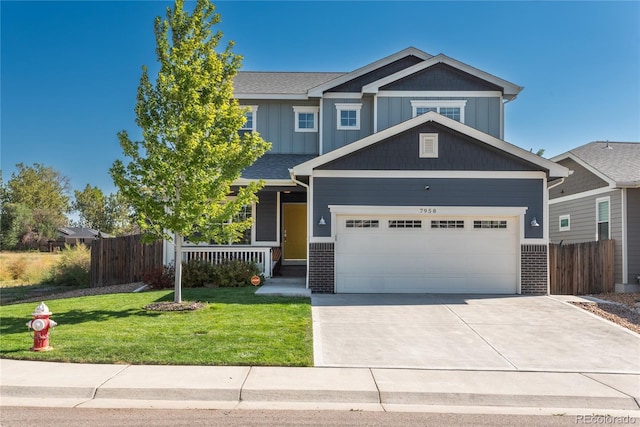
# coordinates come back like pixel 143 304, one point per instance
pixel 179 176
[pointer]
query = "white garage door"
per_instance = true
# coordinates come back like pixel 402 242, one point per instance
pixel 405 254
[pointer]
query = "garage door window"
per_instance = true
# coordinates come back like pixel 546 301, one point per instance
pixel 405 223
pixel 456 223
pixel 489 224
pixel 362 223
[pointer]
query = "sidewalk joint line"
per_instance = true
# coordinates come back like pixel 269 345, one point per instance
pixel 611 387
pixel 243 383
pixel 95 390
pixel 377 388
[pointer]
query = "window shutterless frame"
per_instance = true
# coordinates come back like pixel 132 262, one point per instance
pixel 603 215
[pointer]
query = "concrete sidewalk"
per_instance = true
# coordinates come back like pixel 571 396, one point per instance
pixel 24 383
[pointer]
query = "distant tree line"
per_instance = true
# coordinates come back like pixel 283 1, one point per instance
pixel 36 201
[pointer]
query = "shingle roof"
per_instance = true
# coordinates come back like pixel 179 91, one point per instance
pixel 283 83
pixel 275 166
pixel 620 161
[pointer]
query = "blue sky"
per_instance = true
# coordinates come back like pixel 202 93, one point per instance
pixel 70 70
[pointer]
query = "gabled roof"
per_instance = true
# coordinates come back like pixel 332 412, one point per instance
pixel 615 162
pixel 510 90
pixel 274 85
pixel 554 169
pixel 318 90
pixel 274 167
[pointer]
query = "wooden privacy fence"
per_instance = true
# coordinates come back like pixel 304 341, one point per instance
pixel 581 268
pixel 122 260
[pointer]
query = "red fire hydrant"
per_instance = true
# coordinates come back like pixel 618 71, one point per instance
pixel 41 325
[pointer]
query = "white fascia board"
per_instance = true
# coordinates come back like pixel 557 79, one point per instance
pixel 267 182
pixel 318 90
pixel 297 96
pixel 441 93
pixel 555 170
pixel 434 174
pixel 342 95
pixel 510 90
pixel 577 196
pixel 587 166
pixel 428 210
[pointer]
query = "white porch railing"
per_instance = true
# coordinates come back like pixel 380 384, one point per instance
pixel 261 256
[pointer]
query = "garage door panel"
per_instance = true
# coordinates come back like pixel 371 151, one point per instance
pixel 409 256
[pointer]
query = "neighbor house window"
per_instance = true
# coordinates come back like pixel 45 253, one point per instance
pixel 453 109
pixel 348 116
pixel 564 223
pixel 251 116
pixel 306 119
pixel 602 219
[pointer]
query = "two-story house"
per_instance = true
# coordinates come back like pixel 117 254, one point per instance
pixel 395 178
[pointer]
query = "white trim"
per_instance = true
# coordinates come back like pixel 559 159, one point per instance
pixel 625 240
pixel 267 182
pixel 577 196
pixel 427 174
pixel 297 109
pixel 568 226
pixel 555 170
pixel 585 165
pixel 340 107
pixel 438 104
pixel 318 90
pixel 510 90
pixel 375 113
pixel 598 201
pixel 321 127
pixel 253 109
pixel 502 211
pixel 322 240
pixel 279 96
pixel 545 220
pixel 440 93
pixel 342 95
pixel 501 117
pixel 531 241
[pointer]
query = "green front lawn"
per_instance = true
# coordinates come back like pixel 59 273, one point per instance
pixel 237 328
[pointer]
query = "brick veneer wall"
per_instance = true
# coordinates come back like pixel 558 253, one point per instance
pixel 533 269
pixel 321 268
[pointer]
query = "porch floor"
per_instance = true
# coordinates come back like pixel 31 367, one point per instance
pixel 291 283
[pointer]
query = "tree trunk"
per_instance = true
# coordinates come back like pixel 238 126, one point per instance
pixel 178 284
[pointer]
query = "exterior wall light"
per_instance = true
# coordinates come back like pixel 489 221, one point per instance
pixel 534 223
pixel 322 221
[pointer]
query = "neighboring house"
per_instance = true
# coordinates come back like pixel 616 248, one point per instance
pixel 395 178
pixel 75 235
pixel 601 200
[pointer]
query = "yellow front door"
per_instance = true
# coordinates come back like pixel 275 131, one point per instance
pixel 294 233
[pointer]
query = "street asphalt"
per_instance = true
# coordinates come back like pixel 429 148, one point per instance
pixel 518 387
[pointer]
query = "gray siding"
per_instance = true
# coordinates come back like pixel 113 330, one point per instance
pixel 581 180
pixel 633 233
pixel 455 152
pixel 482 113
pixel 276 125
pixel 333 138
pixel 266 216
pixel 356 84
pixel 441 77
pixel 442 192
pixel 583 223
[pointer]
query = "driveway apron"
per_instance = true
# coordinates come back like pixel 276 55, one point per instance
pixel 475 332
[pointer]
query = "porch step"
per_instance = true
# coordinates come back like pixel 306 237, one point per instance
pixel 285 286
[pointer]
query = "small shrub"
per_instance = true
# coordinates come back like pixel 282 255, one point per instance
pixel 160 277
pixel 197 273
pixel 234 274
pixel 73 267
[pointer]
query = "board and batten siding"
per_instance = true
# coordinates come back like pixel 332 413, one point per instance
pixel 332 137
pixel 276 124
pixel 442 192
pixel 482 113
pixel 633 233
pixel 583 223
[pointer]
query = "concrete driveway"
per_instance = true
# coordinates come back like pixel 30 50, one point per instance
pixel 523 333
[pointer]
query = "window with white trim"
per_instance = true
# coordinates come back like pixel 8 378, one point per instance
pixel 306 119
pixel 603 213
pixel 405 223
pixel 362 223
pixel 453 109
pixel 489 223
pixel 348 116
pixel 251 116
pixel 455 223
pixel 564 223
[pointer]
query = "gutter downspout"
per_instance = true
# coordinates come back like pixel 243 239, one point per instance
pixel 309 206
pixel 558 183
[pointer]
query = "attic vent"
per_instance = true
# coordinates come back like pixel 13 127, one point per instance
pixel 428 145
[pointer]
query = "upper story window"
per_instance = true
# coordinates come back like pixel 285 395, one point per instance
pixel 306 119
pixel 348 116
pixel 252 116
pixel 453 109
pixel 603 212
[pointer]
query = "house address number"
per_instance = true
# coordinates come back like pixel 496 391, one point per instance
pixel 428 210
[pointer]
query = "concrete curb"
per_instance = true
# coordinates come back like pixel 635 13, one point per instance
pixel 58 384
